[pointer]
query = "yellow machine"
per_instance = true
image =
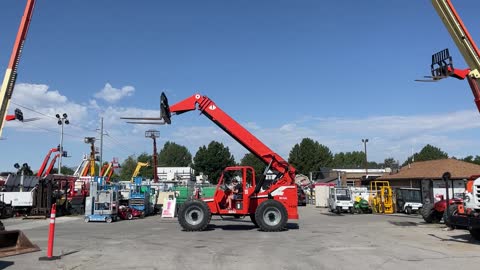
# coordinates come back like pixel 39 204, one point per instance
pixel 381 197
pixel 137 169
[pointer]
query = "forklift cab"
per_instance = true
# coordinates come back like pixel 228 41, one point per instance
pixel 245 177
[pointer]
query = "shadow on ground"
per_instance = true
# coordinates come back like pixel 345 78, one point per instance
pixel 463 238
pixel 5 264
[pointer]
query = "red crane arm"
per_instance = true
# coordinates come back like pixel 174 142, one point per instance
pixel 235 130
pixel 8 84
pixel 45 161
pixel 52 163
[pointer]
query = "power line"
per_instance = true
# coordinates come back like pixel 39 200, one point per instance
pixel 53 117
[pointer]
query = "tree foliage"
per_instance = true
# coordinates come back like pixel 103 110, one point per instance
pixel 355 159
pixel 212 159
pixel 147 171
pixel 127 168
pixel 471 159
pixel 390 163
pixel 174 155
pixel 251 160
pixel 428 152
pixel 310 156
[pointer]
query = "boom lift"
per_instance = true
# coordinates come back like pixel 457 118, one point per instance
pixel 45 162
pixel 137 169
pixel 269 204
pixel 6 90
pixel 456 215
pixel 14 242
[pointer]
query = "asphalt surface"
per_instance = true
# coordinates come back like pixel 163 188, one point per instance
pixel 319 240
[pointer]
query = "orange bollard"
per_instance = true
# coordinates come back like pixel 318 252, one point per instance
pixel 51 236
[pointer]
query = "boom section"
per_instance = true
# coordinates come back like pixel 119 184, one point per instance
pixel 235 130
pixel 460 35
pixel 6 89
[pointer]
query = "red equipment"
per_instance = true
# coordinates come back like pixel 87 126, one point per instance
pixel 45 161
pixel 6 90
pixel 269 205
pixel 128 213
pixel 456 215
pixel 51 236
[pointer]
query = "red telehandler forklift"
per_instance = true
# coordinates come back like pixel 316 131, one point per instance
pixel 465 215
pixel 269 204
pixel 14 242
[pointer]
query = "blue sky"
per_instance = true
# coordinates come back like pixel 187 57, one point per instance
pixel 334 71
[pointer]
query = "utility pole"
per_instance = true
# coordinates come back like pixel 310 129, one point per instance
pixel 154 134
pixel 61 121
pixel 364 141
pixel 101 142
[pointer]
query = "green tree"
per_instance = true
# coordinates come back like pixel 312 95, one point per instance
pixel 309 156
pixel 146 172
pixel 471 159
pixel 251 160
pixel 389 162
pixel 127 168
pixel 428 152
pixel 355 159
pixel 212 159
pixel 174 155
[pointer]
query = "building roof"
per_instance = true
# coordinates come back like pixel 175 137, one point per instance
pixel 434 169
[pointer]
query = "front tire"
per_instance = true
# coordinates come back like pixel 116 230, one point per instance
pixel 108 220
pixel 252 218
pixel 271 216
pixel 408 210
pixel 194 215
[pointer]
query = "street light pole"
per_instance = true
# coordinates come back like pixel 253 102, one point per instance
pixel 364 141
pixel 61 121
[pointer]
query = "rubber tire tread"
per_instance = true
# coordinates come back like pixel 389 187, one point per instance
pixel 206 214
pixel 428 213
pixel 264 206
pixel 475 233
pixel 252 218
pixel 453 209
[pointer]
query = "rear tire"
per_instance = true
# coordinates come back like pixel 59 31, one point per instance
pixel 108 220
pixel 428 213
pixel 271 216
pixel 129 216
pixel 453 210
pixel 194 215
pixel 86 219
pixel 475 233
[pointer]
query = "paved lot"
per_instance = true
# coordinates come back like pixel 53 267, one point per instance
pixel 320 240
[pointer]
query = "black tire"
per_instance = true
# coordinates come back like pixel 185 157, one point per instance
pixel 252 218
pixel 428 213
pixel 129 216
pixel 194 215
pixel 408 210
pixel 108 220
pixel 475 233
pixel 271 216
pixel 86 219
pixel 453 208
pixel 350 210
pixel 338 210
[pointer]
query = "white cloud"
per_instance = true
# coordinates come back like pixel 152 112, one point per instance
pixel 36 100
pixel 111 94
pixel 389 136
